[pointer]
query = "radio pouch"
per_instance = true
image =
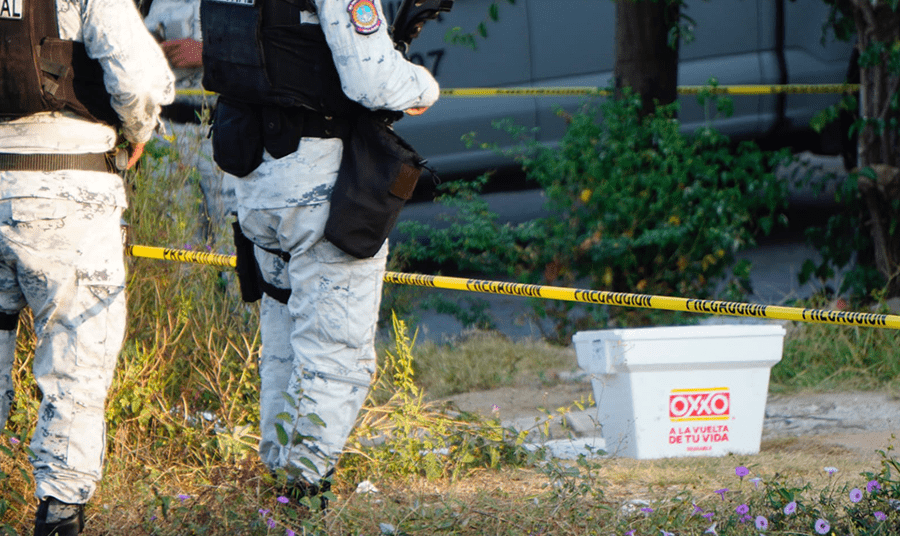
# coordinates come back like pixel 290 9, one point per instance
pixel 378 174
pixel 237 137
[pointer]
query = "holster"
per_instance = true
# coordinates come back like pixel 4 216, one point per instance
pixel 246 266
pixel 378 174
pixel 250 278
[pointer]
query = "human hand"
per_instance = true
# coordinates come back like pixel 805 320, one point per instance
pixel 137 149
pixel 184 53
pixel 419 110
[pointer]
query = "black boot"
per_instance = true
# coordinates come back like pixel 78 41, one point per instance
pixel 56 518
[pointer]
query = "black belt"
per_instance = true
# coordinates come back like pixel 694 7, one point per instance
pixel 56 162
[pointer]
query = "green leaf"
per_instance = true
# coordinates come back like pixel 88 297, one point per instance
pixel 282 435
pixel 494 12
pixel 315 419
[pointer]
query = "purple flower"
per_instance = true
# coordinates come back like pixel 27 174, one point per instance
pixel 647 510
pixel 873 485
pixel 722 492
pixel 790 508
pixel 879 515
pixel 495 408
pixel 741 471
pixel 697 510
pixel 13 441
pixel 629 533
pixel 745 518
pixel 183 497
pixel 708 516
pixel 666 533
pixel 742 509
pixel 756 480
pixel 855 495
pixel 830 470
pixel 282 499
pixel 271 523
pixel 761 523
pixel 289 532
pixel 711 530
pixel 822 526
pixel 264 512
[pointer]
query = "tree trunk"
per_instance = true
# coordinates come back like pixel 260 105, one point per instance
pixel 878 147
pixel 645 59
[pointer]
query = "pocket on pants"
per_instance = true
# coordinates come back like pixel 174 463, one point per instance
pixel 346 305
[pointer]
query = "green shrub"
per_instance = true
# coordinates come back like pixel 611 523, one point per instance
pixel 636 206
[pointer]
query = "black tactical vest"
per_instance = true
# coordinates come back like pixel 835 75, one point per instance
pixel 256 51
pixel 40 72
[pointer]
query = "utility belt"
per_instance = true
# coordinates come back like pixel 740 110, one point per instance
pixel 106 162
pixel 377 176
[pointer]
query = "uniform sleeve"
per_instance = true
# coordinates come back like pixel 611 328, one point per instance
pixel 372 72
pixel 136 73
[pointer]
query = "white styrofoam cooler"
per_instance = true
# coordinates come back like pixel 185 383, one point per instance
pixel 681 391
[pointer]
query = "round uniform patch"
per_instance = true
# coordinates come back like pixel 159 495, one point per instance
pixel 364 16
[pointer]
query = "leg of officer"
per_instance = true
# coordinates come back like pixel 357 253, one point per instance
pixel 71 270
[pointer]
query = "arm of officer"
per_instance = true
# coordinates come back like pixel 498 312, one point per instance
pixel 372 71
pixel 136 73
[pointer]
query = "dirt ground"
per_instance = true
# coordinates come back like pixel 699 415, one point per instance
pixel 858 424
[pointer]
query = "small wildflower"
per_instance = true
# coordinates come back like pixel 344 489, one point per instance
pixel 742 509
pixel 495 408
pixel 182 497
pixel 289 532
pixel 282 499
pixel 697 509
pixel 756 480
pixel 264 512
pixel 855 495
pixel 822 526
pixel 741 471
pixel 271 523
pixel 873 485
pixel 647 510
pixel 629 533
pixel 722 492
pixel 830 470
pixel 711 530
pixel 879 515
pixel 761 523
pixel 13 441
pixel 708 516
pixel 666 533
pixel 790 508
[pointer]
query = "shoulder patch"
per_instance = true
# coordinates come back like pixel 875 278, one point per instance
pixel 364 16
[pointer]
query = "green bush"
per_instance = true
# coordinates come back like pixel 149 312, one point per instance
pixel 636 206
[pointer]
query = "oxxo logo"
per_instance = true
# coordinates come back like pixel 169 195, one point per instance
pixel 699 404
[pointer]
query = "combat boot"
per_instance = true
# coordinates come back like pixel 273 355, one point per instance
pixel 56 518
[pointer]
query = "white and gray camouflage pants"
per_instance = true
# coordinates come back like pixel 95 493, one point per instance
pixel 321 344
pixel 64 260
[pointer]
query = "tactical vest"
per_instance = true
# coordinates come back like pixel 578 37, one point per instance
pixel 40 72
pixel 256 51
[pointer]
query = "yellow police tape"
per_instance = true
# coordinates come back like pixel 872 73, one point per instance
pixel 600 297
pixel 585 90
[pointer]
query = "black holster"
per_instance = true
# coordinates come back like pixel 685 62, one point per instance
pixel 378 174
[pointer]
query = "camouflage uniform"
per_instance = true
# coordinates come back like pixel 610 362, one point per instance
pixel 322 342
pixel 61 248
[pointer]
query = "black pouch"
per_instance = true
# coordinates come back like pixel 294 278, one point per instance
pixel 237 137
pixel 246 268
pixel 378 174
